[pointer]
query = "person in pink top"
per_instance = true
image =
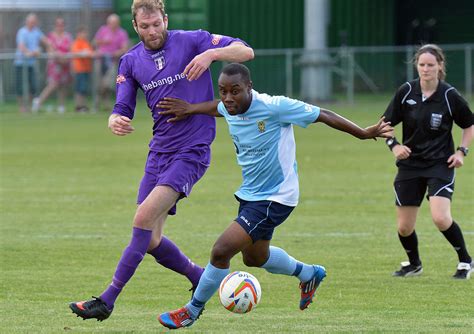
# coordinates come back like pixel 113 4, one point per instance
pixel 59 66
pixel 111 43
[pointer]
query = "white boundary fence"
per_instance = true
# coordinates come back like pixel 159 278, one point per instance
pixel 8 77
pixel 353 70
pixel 369 70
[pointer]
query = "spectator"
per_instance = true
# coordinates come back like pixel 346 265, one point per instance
pixel 111 42
pixel 58 68
pixel 28 40
pixel 82 68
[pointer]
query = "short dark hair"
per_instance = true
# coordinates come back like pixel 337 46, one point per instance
pixel 236 68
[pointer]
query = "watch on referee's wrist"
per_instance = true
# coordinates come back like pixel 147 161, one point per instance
pixel 463 149
pixel 391 142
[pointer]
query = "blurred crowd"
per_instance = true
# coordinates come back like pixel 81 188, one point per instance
pixel 70 62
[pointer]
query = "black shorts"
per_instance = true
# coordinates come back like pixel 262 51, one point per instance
pixel 260 218
pixel 411 185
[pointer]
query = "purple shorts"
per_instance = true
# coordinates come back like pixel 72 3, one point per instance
pixel 178 170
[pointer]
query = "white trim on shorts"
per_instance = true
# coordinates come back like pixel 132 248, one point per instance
pixel 268 212
pixel 446 186
pixel 396 197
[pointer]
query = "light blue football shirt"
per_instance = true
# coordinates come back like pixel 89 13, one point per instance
pixel 265 146
pixel 31 39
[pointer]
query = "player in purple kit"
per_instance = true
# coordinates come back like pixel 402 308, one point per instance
pixel 165 63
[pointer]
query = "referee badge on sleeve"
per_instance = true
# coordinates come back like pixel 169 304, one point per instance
pixel 435 121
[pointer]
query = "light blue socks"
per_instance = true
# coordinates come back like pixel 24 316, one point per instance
pixel 208 284
pixel 279 262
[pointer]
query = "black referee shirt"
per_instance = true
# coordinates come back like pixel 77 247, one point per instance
pixel 427 125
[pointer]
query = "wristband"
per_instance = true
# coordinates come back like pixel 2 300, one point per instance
pixel 391 142
pixel 464 150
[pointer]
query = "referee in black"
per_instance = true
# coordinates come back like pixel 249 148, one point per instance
pixel 426 159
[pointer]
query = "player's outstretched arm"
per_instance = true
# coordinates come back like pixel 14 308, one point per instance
pixel 330 118
pixel 182 109
pixel 234 53
pixel 120 125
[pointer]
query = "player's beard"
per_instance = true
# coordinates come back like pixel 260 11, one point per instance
pixel 156 44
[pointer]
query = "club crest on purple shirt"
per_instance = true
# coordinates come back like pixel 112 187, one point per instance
pixel 216 39
pixel 159 62
pixel 120 79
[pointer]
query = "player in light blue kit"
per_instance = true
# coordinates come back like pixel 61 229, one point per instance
pixel 261 127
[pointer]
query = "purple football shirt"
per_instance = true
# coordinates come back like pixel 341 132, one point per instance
pixel 158 74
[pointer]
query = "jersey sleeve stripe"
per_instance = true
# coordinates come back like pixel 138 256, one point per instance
pixel 406 95
pixel 447 101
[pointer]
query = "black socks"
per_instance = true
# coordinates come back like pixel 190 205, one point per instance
pixel 410 244
pixel 456 239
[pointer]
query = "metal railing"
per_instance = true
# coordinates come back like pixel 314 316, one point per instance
pixel 8 76
pixel 353 70
pixel 369 70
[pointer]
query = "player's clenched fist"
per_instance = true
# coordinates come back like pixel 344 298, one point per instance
pixel 120 125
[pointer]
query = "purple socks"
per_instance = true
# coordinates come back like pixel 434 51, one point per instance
pixel 131 258
pixel 170 256
pixel 167 254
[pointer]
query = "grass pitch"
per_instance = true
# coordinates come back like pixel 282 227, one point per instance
pixel 68 189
